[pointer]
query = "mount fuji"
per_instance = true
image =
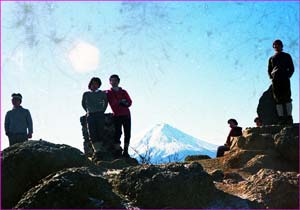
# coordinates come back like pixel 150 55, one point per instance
pixel 164 143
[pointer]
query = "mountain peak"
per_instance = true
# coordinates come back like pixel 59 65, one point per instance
pixel 162 126
pixel 166 141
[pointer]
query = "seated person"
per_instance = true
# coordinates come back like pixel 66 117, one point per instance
pixel 235 131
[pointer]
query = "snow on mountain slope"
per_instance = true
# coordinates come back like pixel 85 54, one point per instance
pixel 168 144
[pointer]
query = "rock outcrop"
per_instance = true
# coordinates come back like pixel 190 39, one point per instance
pixel 24 164
pixel 72 188
pixel 273 189
pixel 262 166
pixel 108 136
pixel 261 170
pixel 174 185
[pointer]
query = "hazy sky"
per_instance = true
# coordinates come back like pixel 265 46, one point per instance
pixel 192 65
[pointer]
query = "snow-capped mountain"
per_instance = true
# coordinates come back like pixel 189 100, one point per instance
pixel 168 144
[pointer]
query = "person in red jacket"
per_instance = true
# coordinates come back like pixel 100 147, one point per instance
pixel 120 101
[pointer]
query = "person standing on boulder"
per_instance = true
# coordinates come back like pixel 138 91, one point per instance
pixel 120 101
pixel 94 102
pixel 280 70
pixel 18 122
pixel 234 131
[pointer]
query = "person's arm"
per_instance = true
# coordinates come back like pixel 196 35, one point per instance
pixel 228 143
pixel 105 101
pixel 83 101
pixel 6 124
pixel 128 98
pixel 29 124
pixel 270 68
pixel 290 66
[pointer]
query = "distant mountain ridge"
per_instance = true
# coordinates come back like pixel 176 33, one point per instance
pixel 167 144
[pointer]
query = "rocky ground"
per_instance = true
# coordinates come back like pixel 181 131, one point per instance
pixel 260 171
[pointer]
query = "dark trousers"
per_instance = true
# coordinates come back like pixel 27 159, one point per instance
pixel 125 122
pixel 95 123
pixel 281 90
pixel 221 150
pixel 15 138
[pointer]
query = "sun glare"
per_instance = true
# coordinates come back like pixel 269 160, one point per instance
pixel 84 57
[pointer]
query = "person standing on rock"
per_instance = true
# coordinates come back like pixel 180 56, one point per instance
pixel 280 70
pixel 18 122
pixel 94 102
pixel 120 101
pixel 234 131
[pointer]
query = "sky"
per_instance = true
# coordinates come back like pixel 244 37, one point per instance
pixel 192 65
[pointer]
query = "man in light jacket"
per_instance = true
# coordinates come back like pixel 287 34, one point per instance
pixel 18 122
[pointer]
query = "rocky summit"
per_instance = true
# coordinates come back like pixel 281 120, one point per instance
pixel 261 170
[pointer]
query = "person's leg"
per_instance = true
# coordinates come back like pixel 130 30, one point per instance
pixel 118 133
pixel 282 95
pixel 127 134
pixel 221 150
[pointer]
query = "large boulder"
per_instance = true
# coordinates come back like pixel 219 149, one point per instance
pixel 273 189
pixel 256 141
pixel 72 188
pixel 24 164
pixel 175 185
pixel 266 109
pixel 287 143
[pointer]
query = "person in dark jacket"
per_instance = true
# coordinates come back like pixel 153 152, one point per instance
pixel 94 102
pixel 280 70
pixel 234 131
pixel 120 101
pixel 18 122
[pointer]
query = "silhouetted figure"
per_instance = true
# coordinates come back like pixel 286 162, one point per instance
pixel 234 131
pixel 266 109
pixel 120 101
pixel 94 102
pixel 18 122
pixel 280 70
pixel 258 122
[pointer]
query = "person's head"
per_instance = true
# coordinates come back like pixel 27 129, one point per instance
pixel 95 83
pixel 114 80
pixel 277 45
pixel 232 123
pixel 16 99
pixel 258 122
